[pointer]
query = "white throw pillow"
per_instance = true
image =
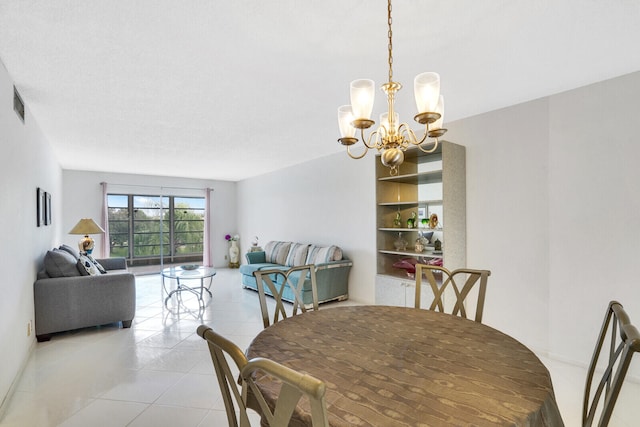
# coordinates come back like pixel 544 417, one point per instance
pixel 97 264
pixel 88 266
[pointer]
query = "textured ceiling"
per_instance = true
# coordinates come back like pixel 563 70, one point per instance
pixel 232 89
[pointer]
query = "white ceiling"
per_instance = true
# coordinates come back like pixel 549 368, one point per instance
pixel 232 89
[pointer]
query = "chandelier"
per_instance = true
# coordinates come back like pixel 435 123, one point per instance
pixel 392 138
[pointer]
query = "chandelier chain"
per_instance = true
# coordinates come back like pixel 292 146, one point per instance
pixel 390 46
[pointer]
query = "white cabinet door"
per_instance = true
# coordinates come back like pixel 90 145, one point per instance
pixel 400 292
pixel 390 291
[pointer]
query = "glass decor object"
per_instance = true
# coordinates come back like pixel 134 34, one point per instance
pixel 362 95
pixel 345 117
pixel 397 222
pixel 426 88
pixel 400 243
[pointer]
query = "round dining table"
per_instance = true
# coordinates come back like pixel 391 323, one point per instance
pixel 394 366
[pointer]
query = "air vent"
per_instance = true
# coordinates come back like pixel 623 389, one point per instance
pixel 18 105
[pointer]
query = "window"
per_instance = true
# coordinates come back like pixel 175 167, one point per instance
pixel 148 228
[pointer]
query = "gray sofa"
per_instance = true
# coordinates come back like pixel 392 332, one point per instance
pixel 332 269
pixel 66 299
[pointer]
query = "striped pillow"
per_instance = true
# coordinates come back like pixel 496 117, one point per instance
pixel 276 252
pixel 297 254
pixel 322 254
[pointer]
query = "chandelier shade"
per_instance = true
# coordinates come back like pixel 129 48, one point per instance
pixel 426 88
pixel 389 127
pixel 392 137
pixel 345 117
pixel 362 95
pixel 440 110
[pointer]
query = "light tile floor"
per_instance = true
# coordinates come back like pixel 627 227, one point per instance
pixel 158 373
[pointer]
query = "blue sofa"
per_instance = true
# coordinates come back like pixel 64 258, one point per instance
pixel 332 269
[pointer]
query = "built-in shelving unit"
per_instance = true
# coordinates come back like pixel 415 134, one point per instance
pixel 425 184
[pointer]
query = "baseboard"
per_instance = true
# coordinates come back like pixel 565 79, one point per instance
pixel 7 398
pixel 632 377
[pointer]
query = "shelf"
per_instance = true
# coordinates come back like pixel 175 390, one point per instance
pixel 411 203
pixel 422 230
pixel 415 178
pixel 426 254
pixel 427 184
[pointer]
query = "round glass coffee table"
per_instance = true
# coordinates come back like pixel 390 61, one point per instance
pixel 188 274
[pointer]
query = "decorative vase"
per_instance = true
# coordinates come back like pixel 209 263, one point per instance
pixel 234 255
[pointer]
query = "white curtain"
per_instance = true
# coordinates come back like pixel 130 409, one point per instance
pixel 106 244
pixel 206 244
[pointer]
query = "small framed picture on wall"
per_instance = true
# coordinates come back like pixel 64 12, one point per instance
pixel 40 202
pixel 47 209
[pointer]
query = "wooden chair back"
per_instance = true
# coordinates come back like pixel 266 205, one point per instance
pixel 234 397
pixel 441 279
pixel 295 386
pixel 234 388
pixel 293 279
pixel 618 341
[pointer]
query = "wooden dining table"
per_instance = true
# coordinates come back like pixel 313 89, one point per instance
pixel 394 366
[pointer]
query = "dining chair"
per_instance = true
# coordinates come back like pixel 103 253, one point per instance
pixel 453 279
pixel 277 281
pixel 623 342
pixel 234 388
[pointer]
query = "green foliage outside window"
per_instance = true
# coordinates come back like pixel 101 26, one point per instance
pixel 182 222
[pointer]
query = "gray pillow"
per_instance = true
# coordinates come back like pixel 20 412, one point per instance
pixel 69 249
pixel 60 263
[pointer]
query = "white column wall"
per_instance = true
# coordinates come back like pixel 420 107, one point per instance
pixel 594 220
pixel 552 210
pixel 507 208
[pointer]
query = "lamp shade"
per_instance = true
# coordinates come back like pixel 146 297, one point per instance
pixel 86 226
pixel 440 110
pixel 384 121
pixel 426 88
pixel 345 117
pixel 362 95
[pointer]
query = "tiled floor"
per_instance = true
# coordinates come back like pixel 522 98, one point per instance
pixel 159 373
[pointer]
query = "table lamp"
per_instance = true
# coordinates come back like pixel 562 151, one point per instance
pixel 86 226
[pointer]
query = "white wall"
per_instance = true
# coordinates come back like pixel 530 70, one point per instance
pixel 594 220
pixel 326 201
pixel 26 162
pixel 83 199
pixel 507 208
pixel 553 210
